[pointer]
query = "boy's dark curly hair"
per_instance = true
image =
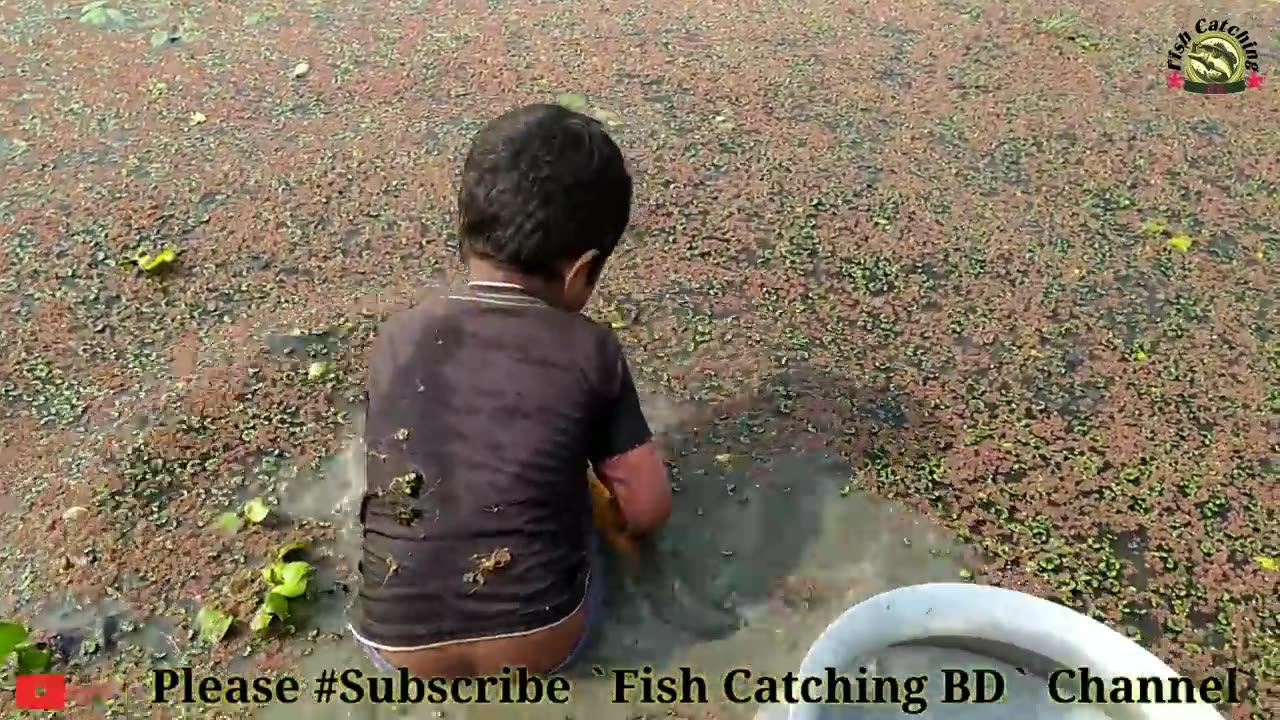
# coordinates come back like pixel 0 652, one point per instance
pixel 541 186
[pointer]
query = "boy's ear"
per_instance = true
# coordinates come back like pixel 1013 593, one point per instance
pixel 580 279
pixel 582 271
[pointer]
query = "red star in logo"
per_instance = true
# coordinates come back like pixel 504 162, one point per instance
pixel 1254 80
pixel 1174 79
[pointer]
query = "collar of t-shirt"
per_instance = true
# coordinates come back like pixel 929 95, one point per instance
pixel 498 293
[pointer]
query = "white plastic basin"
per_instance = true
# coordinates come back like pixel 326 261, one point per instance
pixel 1001 629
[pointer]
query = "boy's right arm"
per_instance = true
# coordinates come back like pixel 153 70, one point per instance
pixel 624 455
pixel 638 480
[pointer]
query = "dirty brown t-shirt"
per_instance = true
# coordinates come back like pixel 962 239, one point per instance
pixel 484 412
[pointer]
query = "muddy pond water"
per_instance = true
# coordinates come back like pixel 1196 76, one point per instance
pixel 757 559
pixel 754 564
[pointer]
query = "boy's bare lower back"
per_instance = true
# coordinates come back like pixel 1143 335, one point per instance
pixel 541 651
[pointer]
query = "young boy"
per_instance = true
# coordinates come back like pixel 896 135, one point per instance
pixel 487 412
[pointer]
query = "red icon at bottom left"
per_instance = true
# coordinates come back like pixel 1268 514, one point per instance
pixel 41 692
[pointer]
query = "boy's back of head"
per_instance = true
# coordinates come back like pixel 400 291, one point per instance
pixel 542 187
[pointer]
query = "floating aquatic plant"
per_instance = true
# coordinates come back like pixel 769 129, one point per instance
pixel 254 511
pixel 286 580
pixel 212 624
pixel 1153 226
pixel 100 14
pixel 319 370
pixel 152 262
pixel 27 657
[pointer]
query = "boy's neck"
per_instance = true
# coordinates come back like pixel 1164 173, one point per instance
pixel 484 271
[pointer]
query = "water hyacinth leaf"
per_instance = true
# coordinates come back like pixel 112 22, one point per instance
pixel 1181 243
pixel 271 573
pixel 293 548
pixel 1269 564
pixel 275 604
pixel 256 510
pixel 229 523
pixel 293 579
pixel 212 624
pixel 571 101
pixel 32 660
pixel 254 18
pixel 11 636
pixel 261 621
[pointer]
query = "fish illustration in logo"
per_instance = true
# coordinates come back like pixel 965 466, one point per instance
pixel 1214 59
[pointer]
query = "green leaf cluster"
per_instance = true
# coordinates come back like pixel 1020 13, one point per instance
pixel 29 658
pixel 286 580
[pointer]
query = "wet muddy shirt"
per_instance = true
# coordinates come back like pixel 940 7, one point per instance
pixel 484 413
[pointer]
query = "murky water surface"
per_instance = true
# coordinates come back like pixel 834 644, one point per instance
pixel 758 558
pixel 754 564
